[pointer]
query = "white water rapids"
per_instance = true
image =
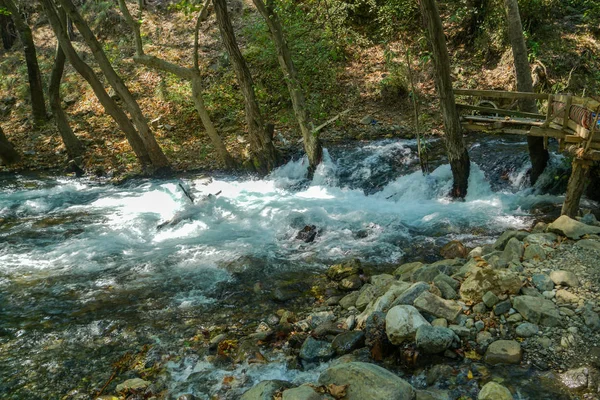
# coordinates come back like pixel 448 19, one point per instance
pixel 70 247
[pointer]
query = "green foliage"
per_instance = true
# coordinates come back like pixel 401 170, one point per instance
pixel 396 84
pixel 4 11
pixel 188 7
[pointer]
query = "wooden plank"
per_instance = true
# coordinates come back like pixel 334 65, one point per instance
pixel 546 132
pixel 500 94
pixel 586 102
pixel 503 120
pixel 500 111
pixel 568 103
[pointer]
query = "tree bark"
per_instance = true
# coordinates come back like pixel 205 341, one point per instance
pixel 159 161
pixel 72 143
pixel 577 181
pixel 264 154
pixel 88 74
pixel 455 146
pixel 190 74
pixel 7 31
pixel 8 154
pixel 537 153
pixel 36 89
pixel 312 144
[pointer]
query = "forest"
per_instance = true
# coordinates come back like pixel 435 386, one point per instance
pixel 311 199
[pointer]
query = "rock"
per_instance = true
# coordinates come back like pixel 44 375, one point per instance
pixel 513 251
pixel 534 252
pixel 346 342
pixel 572 229
pixel 591 318
pixel 484 280
pixel 440 322
pixel 352 282
pixel 367 120
pixel 402 322
pixel 479 325
pixel 460 331
pixel 428 272
pixel 503 307
pixel 542 282
pixel 265 390
pixel 564 278
pixel 446 290
pixel 513 319
pixel 382 281
pixel 433 339
pixel 409 296
pixel 527 329
pixel 307 234
pixel 564 296
pixel 494 391
pixel 367 294
pixel 490 299
pixel 484 339
pixel 186 396
pixel 501 242
pixel 314 351
pixel 539 227
pixel 542 239
pixel 405 271
pixel 454 284
pixel 135 384
pixel 349 300
pixel 318 318
pixel 304 392
pixel 338 272
pixel 285 291
pixel 529 291
pixel 432 394
pixel 438 307
pixel 538 310
pixel 575 379
pixel 588 244
pixel 480 308
pixel 503 352
pixel 454 249
pixel 367 382
pixel 439 372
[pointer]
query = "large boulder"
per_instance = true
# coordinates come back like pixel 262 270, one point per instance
pixel 501 242
pixel 402 322
pixel 494 391
pixel 438 307
pixel 405 271
pixel 265 390
pixel 428 273
pixel 504 352
pixel 367 382
pixel 409 295
pixel 484 280
pixel 538 310
pixel 314 351
pixel 304 392
pixel 346 342
pixel 434 339
pixel 338 272
pixel 454 249
pixel 572 229
pixel 513 251
pixel 564 278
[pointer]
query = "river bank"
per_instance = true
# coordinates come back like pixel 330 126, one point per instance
pixel 521 313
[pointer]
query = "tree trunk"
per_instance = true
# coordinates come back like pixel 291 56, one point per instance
pixel 72 143
pixel 575 187
pixel 36 89
pixel 312 144
pixel 88 74
pixel 8 154
pixel 159 161
pixel 7 31
pixel 264 154
pixel 537 153
pixel 455 146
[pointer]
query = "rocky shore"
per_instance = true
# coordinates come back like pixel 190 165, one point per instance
pixel 526 305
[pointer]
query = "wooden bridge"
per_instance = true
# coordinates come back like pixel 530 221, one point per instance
pixel 571 120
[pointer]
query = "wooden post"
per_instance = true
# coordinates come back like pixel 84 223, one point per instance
pixel 575 187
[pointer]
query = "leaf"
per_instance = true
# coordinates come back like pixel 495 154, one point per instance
pixel 472 355
pixel 470 375
pixel 337 391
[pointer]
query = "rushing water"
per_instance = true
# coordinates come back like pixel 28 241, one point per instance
pixel 85 274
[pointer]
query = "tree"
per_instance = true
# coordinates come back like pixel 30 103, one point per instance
pixel 312 144
pixel 72 143
pixel 111 107
pixel 8 154
pixel 537 153
pixel 190 74
pixel 455 146
pixel 158 159
pixel 7 28
pixel 264 155
pixel 38 105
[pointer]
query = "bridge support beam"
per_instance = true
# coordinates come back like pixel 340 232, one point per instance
pixel 575 187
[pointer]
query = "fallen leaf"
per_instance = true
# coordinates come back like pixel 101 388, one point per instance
pixel 337 391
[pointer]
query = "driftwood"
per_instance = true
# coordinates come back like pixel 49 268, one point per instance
pixel 188 212
pixel 329 121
